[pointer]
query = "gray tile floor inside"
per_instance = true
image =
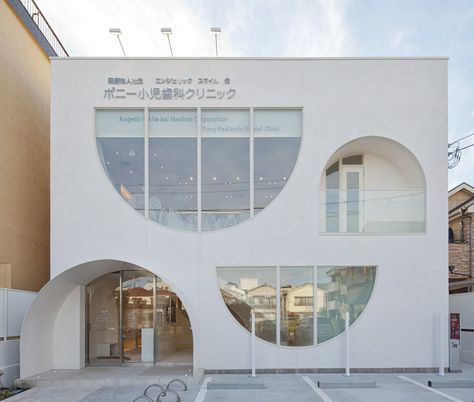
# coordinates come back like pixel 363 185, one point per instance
pixel 278 387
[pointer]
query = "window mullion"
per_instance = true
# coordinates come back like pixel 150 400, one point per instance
pixel 199 179
pixel 251 175
pixel 147 166
pixel 315 305
pixel 278 306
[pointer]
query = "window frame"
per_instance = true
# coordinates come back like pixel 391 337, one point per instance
pixel 146 109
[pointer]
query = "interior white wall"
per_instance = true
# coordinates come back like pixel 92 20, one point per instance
pixel 69 331
pixel 342 99
pixel 388 164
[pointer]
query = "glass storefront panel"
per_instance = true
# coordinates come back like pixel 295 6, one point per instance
pixel 296 305
pixel 277 138
pixel 104 347
pixel 331 197
pixel 138 325
pixel 342 289
pixel 225 168
pixel 174 335
pixel 120 143
pixel 134 316
pixel 247 289
pixel 173 168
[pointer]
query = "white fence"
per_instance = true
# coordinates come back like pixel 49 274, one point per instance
pixel 13 307
pixel 463 303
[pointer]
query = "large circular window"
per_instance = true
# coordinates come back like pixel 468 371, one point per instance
pixel 198 174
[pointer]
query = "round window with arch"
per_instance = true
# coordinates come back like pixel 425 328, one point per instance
pixel 305 307
pixel 373 185
pixel 198 170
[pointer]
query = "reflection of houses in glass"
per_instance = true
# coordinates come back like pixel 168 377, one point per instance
pixel 250 295
pixel 339 289
pixel 299 300
pixel 348 289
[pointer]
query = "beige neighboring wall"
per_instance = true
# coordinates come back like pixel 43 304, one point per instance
pixel 24 154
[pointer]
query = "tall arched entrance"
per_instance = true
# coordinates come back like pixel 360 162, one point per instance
pixel 133 316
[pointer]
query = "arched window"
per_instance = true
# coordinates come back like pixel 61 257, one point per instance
pixel 372 185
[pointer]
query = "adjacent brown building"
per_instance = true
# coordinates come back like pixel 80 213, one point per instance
pixel 26 44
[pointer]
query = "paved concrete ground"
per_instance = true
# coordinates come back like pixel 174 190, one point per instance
pixel 390 388
pixel 278 387
pixel 121 393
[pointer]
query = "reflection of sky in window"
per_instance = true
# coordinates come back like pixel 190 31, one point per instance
pixel 295 276
pixel 323 276
pixel 263 275
pixel 123 159
pixel 274 162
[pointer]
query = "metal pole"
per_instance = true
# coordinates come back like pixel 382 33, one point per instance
pixel 348 370
pixel 123 51
pixel 217 54
pixel 252 346
pixel 169 43
pixel 441 344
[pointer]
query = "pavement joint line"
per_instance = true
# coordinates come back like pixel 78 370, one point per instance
pixel 451 398
pixel 202 392
pixel 318 391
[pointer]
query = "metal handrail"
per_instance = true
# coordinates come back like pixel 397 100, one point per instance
pixel 39 19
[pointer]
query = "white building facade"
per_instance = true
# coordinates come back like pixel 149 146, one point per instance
pixel 187 193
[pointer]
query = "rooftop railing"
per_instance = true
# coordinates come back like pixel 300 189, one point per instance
pixel 40 21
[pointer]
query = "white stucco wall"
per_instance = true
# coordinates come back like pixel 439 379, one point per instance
pixel 342 99
pixel 69 331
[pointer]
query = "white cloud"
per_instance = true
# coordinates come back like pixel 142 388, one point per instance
pixel 402 43
pixel 249 28
pixel 83 27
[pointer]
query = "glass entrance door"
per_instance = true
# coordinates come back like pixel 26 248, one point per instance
pixel 103 324
pixel 135 317
pixel 173 328
pixel 351 199
pixel 138 316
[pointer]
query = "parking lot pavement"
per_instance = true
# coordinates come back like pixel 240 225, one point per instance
pixel 390 388
pixel 278 387
pixel 394 388
pixel 122 393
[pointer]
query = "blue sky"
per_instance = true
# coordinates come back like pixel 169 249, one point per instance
pixel 314 28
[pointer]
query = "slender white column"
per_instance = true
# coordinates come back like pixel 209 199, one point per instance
pixel 198 178
pixel 251 173
pixel 278 307
pixel 348 370
pixel 147 167
pixel 252 345
pixel 441 344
